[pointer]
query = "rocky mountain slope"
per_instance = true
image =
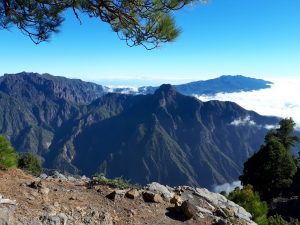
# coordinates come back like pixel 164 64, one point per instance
pixel 171 138
pixel 48 200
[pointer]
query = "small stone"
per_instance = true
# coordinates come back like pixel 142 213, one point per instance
pixel 56 204
pixel 111 195
pixel 44 191
pixel 176 200
pixel 72 198
pixel 43 176
pixel 132 194
pixel 35 184
pixel 231 212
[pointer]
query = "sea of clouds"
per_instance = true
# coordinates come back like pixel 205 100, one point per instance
pixel 282 99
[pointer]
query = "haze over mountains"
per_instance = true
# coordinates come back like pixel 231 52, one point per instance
pixel 168 137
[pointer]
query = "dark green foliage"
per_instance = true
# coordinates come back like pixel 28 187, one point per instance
pixel 8 155
pixel 272 168
pixel 277 220
pixel 145 23
pixel 251 201
pixel 30 163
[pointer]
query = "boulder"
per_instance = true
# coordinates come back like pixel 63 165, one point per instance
pixel 6 215
pixel 152 197
pixel 59 176
pixel 219 201
pixel 188 209
pixel 160 189
pixel 132 194
pixel 117 194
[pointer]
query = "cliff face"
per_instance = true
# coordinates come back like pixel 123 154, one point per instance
pixel 27 200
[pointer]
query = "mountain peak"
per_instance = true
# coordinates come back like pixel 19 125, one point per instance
pixel 167 89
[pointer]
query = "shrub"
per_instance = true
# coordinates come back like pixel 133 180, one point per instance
pixel 251 202
pixel 118 182
pixel 30 163
pixel 277 220
pixel 8 155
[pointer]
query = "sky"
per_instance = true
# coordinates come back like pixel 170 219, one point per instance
pixel 249 37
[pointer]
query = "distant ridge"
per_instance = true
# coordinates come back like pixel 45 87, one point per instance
pixel 224 84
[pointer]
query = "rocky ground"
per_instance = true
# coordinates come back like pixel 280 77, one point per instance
pixel 60 200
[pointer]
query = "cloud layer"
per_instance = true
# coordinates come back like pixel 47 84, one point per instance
pixel 282 99
pixel 227 187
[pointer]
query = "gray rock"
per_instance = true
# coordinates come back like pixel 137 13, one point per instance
pixel 59 176
pixel 220 201
pixel 44 191
pixel 7 201
pixel 63 218
pixel 72 179
pixel 106 219
pixel 7 215
pixel 43 176
pixel 51 220
pixel 160 189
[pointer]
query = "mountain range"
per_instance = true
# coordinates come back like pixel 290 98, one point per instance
pixel 77 127
pixel 224 84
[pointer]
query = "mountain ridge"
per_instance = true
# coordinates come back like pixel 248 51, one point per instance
pixel 172 138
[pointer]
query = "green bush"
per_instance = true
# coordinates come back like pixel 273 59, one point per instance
pixel 277 220
pixel 30 163
pixel 118 182
pixel 251 202
pixel 8 155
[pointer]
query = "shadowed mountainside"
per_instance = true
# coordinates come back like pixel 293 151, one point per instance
pixel 165 137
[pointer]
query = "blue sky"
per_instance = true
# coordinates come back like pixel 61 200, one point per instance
pixel 258 38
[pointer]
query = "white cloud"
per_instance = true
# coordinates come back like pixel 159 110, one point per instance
pixel 227 187
pixel 282 99
pixel 243 122
pixel 247 121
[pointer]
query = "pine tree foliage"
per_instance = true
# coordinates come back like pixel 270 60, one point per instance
pixel 138 22
pixel 30 163
pixel 8 155
pixel 285 133
pixel 272 168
